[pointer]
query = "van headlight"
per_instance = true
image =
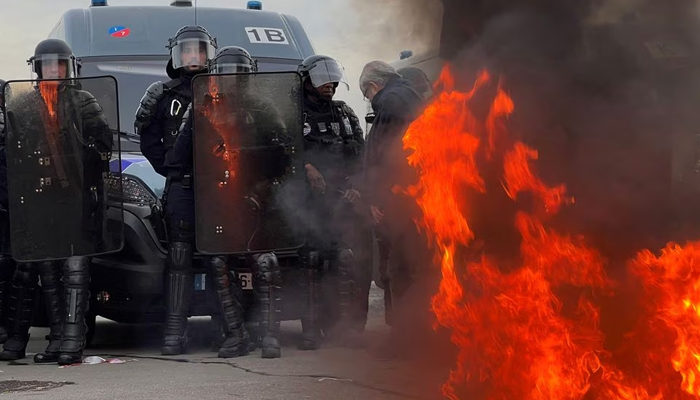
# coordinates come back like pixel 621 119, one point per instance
pixel 129 189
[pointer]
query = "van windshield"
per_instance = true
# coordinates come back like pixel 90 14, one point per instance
pixel 146 30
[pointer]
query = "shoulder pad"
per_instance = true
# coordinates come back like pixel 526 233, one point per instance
pixel 2 121
pixel 147 106
pixel 338 103
pixel 343 107
pixel 88 104
pixel 173 84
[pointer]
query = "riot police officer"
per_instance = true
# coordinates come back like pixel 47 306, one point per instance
pixel 7 266
pixel 66 123
pixel 158 121
pixel 234 107
pixel 334 145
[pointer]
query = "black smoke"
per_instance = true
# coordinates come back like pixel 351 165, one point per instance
pixel 606 92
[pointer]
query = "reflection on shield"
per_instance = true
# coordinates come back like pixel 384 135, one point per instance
pixel 249 178
pixel 59 143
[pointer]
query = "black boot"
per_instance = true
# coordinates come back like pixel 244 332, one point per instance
pixel 19 316
pixel 270 277
pixel 179 290
pixel 52 287
pixel 76 297
pixel 310 323
pixel 7 269
pixel 237 339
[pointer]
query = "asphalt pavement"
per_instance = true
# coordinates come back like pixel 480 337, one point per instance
pixel 360 370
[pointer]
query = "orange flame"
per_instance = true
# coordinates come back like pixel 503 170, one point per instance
pixel 672 299
pixel 515 337
pixel 49 92
pixel 219 116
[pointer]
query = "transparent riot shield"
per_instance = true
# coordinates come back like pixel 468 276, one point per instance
pixel 248 172
pixel 62 199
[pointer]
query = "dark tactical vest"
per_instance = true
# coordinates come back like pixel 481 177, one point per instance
pixel 329 141
pixel 177 96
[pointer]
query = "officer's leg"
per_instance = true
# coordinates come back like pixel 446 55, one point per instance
pixel 310 322
pixel 76 296
pixel 362 276
pixel 345 265
pixel 19 316
pixel 51 286
pixel 270 277
pixel 237 340
pixel 384 247
pixel 7 269
pixel 179 281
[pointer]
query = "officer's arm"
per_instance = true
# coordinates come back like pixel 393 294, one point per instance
pixel 2 124
pixel 148 125
pixel 274 125
pixel 95 126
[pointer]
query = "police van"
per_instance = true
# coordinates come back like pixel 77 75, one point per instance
pixel 129 43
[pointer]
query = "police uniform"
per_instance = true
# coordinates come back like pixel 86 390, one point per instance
pixel 7 266
pixel 79 147
pixel 334 145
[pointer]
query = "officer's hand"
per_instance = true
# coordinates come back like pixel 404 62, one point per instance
pixel 318 184
pixel 377 214
pixel 352 195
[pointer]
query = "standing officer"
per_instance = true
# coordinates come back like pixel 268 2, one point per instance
pixel 234 114
pixel 62 190
pixel 7 265
pixel 334 147
pixel 158 122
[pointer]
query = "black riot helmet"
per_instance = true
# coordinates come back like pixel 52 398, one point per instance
pixel 232 59
pixel 191 49
pixel 321 70
pixel 50 58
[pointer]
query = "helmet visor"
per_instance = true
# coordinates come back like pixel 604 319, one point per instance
pixel 230 68
pixel 328 71
pixel 192 52
pixel 53 66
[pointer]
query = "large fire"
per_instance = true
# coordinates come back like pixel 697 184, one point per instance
pixel 517 337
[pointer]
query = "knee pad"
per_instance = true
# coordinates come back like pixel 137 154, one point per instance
pixel 346 258
pixel 26 274
pixel 50 274
pixel 76 271
pixel 219 270
pixel 7 268
pixel 268 267
pixel 180 256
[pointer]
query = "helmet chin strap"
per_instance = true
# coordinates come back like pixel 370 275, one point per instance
pixel 315 96
pixel 184 72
